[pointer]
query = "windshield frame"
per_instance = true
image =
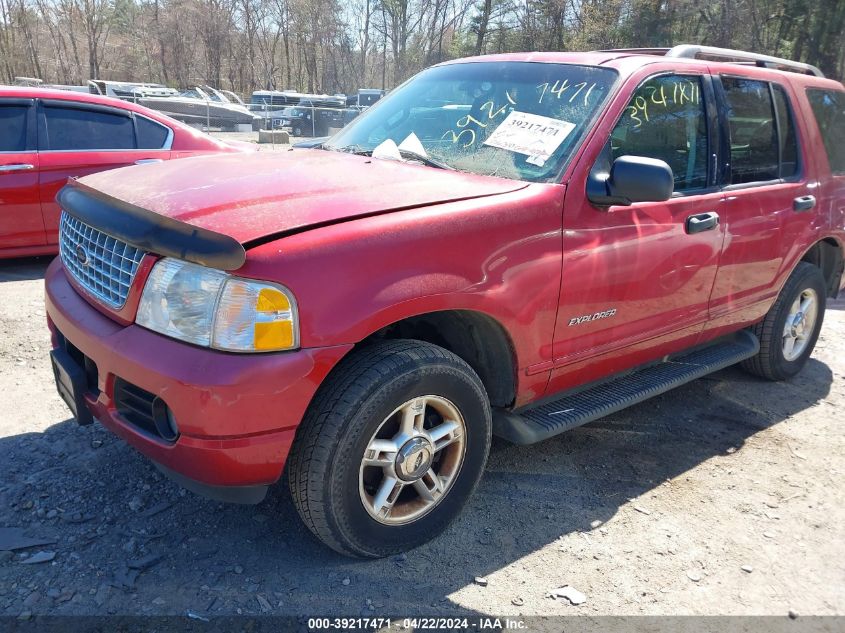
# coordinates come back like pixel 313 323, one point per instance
pixel 554 177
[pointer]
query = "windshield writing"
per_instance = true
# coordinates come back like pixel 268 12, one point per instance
pixel 517 120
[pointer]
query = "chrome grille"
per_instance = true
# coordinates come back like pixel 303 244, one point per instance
pixel 102 264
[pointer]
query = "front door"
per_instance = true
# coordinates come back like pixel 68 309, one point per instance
pixel 636 280
pixel 20 208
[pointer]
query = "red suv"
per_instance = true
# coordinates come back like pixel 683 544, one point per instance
pixel 511 245
pixel 48 136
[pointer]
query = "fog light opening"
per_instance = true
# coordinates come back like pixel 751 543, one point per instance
pixel 165 421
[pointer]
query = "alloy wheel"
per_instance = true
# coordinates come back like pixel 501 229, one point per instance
pixel 800 324
pixel 412 460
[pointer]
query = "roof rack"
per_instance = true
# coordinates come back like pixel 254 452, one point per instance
pixel 727 54
pixel 693 51
pixel 637 51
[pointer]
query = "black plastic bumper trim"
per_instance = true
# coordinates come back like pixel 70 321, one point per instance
pixel 71 385
pixel 150 231
pixel 247 495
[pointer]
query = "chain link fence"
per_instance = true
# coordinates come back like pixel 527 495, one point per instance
pixel 307 120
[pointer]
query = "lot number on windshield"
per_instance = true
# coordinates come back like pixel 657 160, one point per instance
pixel 530 134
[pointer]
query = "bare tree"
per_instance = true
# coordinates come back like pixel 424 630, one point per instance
pixel 336 45
pixel 8 44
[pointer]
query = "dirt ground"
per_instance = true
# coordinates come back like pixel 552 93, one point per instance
pixel 726 496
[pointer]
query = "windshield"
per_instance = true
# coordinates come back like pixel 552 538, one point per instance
pixel 518 120
pixel 193 93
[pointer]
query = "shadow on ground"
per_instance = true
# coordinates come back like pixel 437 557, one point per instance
pixel 23 269
pixel 109 509
pixel 838 303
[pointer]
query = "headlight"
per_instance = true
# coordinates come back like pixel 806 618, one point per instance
pixel 211 308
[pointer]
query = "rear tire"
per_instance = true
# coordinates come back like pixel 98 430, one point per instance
pixel 790 329
pixel 391 448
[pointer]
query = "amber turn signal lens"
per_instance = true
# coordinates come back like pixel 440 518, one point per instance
pixel 272 300
pixel 276 335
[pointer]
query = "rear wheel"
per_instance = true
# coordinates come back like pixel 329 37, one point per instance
pixel 391 448
pixel 790 329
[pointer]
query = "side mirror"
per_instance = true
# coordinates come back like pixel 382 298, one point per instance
pixel 630 179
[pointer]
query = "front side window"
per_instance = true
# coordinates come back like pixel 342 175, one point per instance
pixel 83 129
pixel 763 141
pixel 13 128
pixel 520 120
pixel 666 119
pixel 829 111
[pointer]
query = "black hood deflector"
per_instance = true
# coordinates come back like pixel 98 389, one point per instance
pixel 150 231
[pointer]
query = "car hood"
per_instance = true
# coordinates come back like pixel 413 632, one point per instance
pixel 241 146
pixel 250 197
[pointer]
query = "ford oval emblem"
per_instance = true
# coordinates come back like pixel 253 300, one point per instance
pixel 81 256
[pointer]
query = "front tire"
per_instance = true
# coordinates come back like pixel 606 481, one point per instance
pixel 391 448
pixel 790 329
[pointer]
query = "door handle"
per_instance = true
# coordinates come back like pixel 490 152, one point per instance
pixel 803 203
pixel 144 161
pixel 702 222
pixel 16 167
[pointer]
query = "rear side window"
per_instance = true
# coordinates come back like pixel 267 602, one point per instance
pixel 665 119
pixel 754 141
pixel 82 129
pixel 829 110
pixel 13 128
pixel 786 133
pixel 763 141
pixel 151 135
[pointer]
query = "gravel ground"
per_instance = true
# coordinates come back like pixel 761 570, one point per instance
pixel 722 497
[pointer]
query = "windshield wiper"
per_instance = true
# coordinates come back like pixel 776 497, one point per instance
pixel 358 150
pixel 425 160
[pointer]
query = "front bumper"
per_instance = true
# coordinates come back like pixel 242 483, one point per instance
pixel 237 413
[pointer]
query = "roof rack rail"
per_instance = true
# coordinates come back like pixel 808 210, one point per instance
pixel 694 51
pixel 691 51
pixel 637 51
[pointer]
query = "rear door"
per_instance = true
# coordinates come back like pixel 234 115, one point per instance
pixel 769 203
pixel 76 139
pixel 20 208
pixel 828 113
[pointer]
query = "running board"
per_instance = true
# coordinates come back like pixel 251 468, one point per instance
pixel 548 419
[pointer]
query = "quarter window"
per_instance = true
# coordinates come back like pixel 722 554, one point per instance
pixel 13 128
pixel 763 141
pixel 84 129
pixel 666 120
pixel 151 135
pixel 829 111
